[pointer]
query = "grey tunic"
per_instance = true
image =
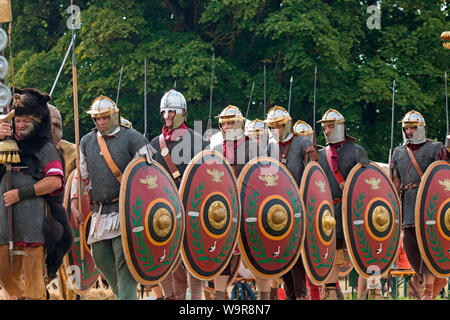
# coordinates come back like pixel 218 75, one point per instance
pixel 122 147
pixel 426 155
pixel 182 150
pixel 29 213
pixel 294 157
pixel 349 155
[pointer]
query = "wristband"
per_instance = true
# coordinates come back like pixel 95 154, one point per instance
pixel 26 192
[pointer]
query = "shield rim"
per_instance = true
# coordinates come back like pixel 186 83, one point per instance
pixel 124 239
pixel 186 173
pixel 418 219
pixel 66 257
pixel 307 169
pixel 245 258
pixel 351 255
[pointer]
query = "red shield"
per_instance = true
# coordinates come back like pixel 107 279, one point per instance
pixel 152 220
pixel 433 218
pixel 83 271
pixel 319 249
pixel 209 194
pixel 371 219
pixel 272 225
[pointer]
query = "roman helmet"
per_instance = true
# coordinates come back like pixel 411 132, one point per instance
pixel 173 100
pixel 56 123
pixel 278 116
pixel 255 129
pixel 232 114
pixel 301 128
pixel 339 133
pixel 414 119
pixel 102 107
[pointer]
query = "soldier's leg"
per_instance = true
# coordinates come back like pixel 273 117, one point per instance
pixel 180 282
pixel 32 271
pixel 412 250
pixel 329 292
pixel 196 287
pixel 299 280
pixel 220 285
pixel 103 256
pixel 167 286
pixel 10 278
pixel 126 284
pixel 288 285
pixel 263 287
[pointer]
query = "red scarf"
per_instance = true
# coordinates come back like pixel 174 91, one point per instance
pixel 174 134
pixel 229 154
pixel 415 147
pixel 334 154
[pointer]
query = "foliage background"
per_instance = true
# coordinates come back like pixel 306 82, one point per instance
pixel 356 65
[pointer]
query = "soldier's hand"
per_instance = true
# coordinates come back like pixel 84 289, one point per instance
pixel 11 197
pixel 5 130
pixel 77 217
pixel 341 185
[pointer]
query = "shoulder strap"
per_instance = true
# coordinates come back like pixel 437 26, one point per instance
pixel 109 161
pixel 168 159
pixel 414 162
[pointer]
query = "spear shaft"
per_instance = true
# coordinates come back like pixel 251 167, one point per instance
pixel 145 98
pixel 392 122
pixel 290 92
pixel 314 102
pixel 209 124
pixel 250 99
pixel 77 140
pixel 62 66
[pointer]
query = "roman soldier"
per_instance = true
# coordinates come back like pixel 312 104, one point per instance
pixel 175 147
pixel 294 151
pixel 337 160
pixel 236 148
pixel 408 163
pixel 256 130
pixel 40 227
pixel 104 154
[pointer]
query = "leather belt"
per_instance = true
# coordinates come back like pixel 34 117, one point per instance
pixel 168 159
pixel 410 186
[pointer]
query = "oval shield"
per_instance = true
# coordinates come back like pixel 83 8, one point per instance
pixel 371 219
pixel 79 266
pixel 209 193
pixel 318 252
pixel 433 218
pixel 272 223
pixel 152 220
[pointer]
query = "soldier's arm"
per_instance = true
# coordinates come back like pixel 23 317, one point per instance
pixel 361 156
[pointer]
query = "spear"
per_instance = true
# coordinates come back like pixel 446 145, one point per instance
pixel 209 125
pixel 392 122
pixel 77 138
pixel 446 103
pixel 62 66
pixel 314 102
pixel 118 87
pixel 290 91
pixel 250 99
pixel 145 98
pixel 264 90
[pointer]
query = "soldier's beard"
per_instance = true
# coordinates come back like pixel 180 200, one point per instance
pixel 28 130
